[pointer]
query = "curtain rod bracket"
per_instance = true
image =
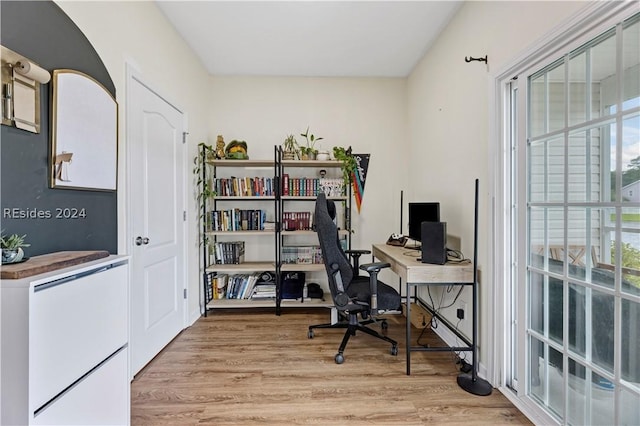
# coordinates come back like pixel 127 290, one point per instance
pixel 471 58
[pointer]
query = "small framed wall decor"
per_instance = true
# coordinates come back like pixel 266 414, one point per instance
pixel 84 133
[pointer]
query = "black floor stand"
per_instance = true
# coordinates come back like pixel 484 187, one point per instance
pixel 471 382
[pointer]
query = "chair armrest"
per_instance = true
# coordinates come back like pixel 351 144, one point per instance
pixel 373 269
pixel 357 252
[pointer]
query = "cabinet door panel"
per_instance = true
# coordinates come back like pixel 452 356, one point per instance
pixel 75 325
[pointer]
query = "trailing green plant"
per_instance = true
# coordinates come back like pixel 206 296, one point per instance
pixel 12 242
pixel 311 140
pixel 348 162
pixel 205 189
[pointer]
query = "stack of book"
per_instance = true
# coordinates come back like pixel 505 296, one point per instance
pixel 244 187
pixel 297 221
pixel 227 252
pixel 301 255
pixel 238 220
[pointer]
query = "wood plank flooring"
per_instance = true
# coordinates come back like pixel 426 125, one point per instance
pixel 241 368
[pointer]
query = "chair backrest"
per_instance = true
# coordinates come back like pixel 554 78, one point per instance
pixel 336 262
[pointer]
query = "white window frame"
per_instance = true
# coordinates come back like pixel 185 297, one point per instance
pixel 579 29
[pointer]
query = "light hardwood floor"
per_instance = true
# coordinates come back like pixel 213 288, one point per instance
pixel 237 368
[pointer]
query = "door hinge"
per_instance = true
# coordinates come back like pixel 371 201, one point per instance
pixel 184 137
pixel 184 215
pixel 185 293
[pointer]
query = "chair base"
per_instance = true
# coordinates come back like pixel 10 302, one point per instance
pixel 352 326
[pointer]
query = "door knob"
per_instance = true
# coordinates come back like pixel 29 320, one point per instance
pixel 140 241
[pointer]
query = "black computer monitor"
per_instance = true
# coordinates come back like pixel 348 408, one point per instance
pixel 421 212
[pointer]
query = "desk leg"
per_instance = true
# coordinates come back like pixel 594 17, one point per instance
pixel 408 329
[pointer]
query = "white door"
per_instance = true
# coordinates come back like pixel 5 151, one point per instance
pixel 155 131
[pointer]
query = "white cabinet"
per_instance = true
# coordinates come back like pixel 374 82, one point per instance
pixel 64 355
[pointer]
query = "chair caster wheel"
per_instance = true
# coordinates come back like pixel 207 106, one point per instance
pixel 384 325
pixel 310 334
pixel 339 358
pixel 394 350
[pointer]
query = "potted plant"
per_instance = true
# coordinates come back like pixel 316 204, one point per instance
pixel 309 151
pixel 348 162
pixel 12 248
pixel 290 148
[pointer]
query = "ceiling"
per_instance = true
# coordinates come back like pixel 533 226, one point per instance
pixel 310 38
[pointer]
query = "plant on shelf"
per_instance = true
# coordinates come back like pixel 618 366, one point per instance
pixel 12 247
pixel 290 148
pixel 348 163
pixel 309 151
pixel 206 190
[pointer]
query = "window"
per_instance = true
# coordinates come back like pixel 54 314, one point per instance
pixel 575 273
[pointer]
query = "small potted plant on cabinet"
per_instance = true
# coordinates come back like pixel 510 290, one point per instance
pixel 12 248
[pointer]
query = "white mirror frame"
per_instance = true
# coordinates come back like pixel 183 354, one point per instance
pixel 84 133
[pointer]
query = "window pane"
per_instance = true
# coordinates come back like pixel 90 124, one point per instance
pixel 602 323
pixel 556 309
pixel 631 61
pixel 556 385
pixel 536 303
pixel 603 74
pixel 630 246
pixel 537 105
pixel 631 342
pixel 585 165
pixel 577 320
pixel 555 170
pixel 578 89
pixel 538 369
pixel 576 409
pixel 631 159
pixel 537 171
pixel 629 408
pixel 602 405
pixel 556 96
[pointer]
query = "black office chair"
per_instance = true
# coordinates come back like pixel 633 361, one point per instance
pixel 353 296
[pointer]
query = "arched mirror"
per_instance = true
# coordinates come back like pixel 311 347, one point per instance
pixel 84 142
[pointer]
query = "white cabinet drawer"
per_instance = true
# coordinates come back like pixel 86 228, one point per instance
pixel 75 324
pixel 101 398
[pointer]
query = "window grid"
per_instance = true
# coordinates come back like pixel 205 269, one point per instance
pixel 596 376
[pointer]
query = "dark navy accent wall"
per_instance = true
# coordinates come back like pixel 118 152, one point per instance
pixel 53 219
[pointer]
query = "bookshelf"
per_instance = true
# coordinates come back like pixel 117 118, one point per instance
pixel 301 182
pixel 255 213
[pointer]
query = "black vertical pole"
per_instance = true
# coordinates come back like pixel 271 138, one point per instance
pixel 473 384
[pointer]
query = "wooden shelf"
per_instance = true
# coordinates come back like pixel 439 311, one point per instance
pixel 311 163
pixel 303 267
pixel 242 267
pixel 244 198
pixel 239 233
pixel 310 198
pixel 241 163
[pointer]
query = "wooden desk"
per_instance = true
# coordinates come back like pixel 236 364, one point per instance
pixel 415 273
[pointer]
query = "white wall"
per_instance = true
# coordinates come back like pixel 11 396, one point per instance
pixel 450 111
pixel 137 33
pixel 368 114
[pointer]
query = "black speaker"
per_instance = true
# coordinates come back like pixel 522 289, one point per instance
pixel 434 242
